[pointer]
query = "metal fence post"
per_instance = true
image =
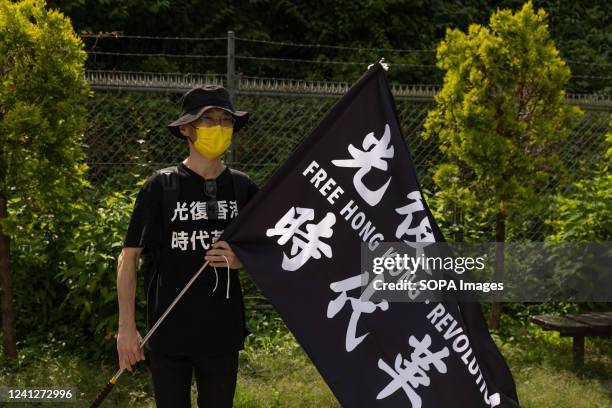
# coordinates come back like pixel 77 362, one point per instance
pixel 231 88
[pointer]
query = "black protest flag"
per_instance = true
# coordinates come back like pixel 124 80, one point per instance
pixel 352 181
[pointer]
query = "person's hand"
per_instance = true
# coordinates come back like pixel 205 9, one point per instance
pixel 128 348
pixel 215 255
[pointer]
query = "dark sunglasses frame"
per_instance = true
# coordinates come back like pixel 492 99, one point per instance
pixel 216 121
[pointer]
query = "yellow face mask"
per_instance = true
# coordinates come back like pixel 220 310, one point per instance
pixel 212 141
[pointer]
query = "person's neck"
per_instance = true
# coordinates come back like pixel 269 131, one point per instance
pixel 205 167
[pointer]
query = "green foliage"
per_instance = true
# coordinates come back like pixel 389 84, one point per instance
pixel 499 115
pixel 582 30
pixel 89 266
pixel 42 90
pixel 585 214
pixel 580 27
pixel 65 272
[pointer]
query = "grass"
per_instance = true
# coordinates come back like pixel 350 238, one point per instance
pixel 542 366
pixel 275 372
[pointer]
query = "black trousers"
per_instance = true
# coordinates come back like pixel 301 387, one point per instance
pixel 215 379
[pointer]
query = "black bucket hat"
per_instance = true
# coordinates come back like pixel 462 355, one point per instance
pixel 201 98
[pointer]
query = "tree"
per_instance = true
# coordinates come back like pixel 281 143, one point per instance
pixel 41 124
pixel 499 117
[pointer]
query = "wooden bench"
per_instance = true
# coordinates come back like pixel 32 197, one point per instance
pixel 577 326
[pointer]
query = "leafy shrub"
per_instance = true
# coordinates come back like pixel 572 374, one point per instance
pixel 65 270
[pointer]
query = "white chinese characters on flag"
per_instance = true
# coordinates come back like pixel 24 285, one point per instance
pixel 304 244
pixel 351 181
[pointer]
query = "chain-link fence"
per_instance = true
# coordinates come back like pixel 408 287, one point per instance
pixel 127 138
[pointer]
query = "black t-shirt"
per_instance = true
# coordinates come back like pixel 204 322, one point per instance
pixel 206 320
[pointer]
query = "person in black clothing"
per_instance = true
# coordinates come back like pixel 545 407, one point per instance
pixel 179 214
